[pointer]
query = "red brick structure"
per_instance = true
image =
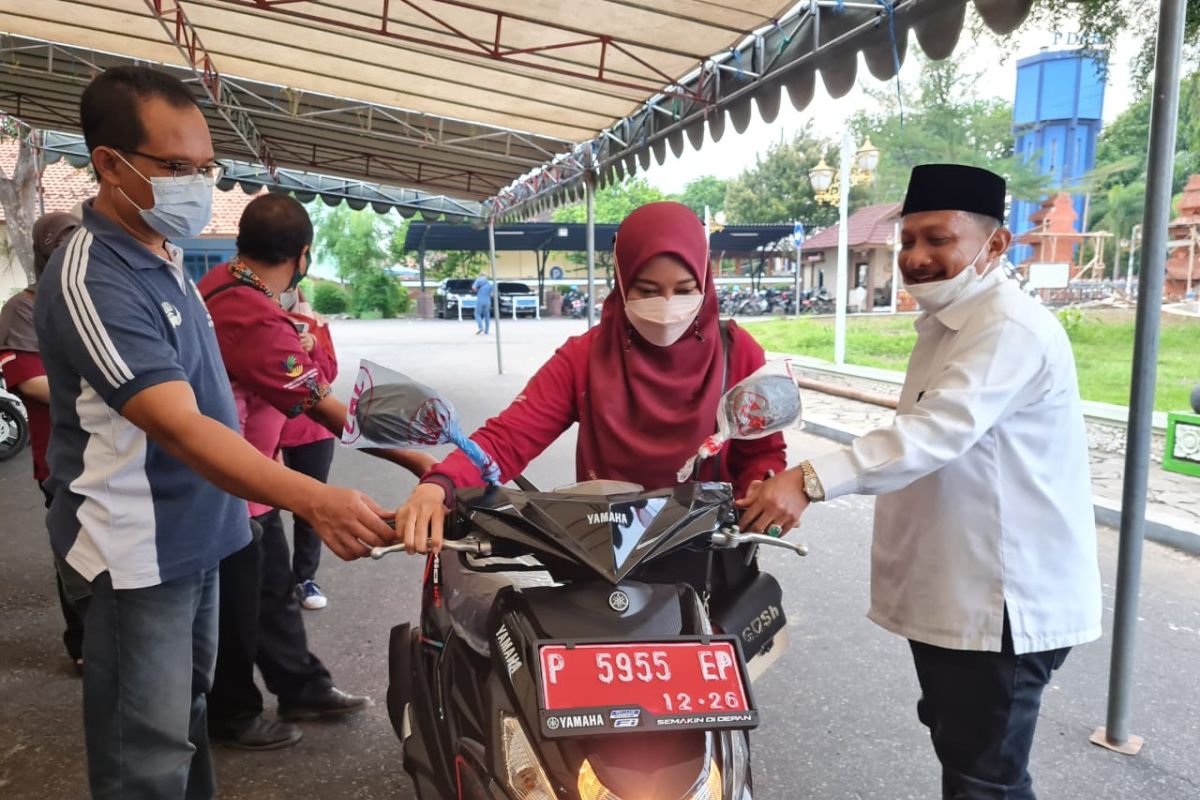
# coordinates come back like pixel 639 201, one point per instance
pixel 1053 236
pixel 1185 258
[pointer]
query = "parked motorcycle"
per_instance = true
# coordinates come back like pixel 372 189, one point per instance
pixel 14 421
pixel 559 654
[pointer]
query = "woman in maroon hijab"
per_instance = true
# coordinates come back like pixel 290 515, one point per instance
pixel 643 385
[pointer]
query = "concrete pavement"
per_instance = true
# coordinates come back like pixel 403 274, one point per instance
pixel 838 711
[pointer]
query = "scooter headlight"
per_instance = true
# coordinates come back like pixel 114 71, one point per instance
pixel 590 787
pixel 526 778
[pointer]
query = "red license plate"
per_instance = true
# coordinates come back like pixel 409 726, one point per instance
pixel 662 679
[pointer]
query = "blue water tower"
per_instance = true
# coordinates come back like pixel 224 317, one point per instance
pixel 1056 119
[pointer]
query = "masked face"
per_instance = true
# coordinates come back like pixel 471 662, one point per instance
pixel 664 300
pixel 933 296
pixel 182 205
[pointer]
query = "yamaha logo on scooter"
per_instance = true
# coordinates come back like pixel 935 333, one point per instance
pixel 618 601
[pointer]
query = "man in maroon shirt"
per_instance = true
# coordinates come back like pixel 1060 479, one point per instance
pixel 274 379
pixel 25 375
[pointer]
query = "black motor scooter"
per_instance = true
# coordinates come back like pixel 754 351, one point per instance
pixel 566 647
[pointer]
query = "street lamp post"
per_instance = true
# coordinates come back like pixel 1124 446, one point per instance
pixel 864 162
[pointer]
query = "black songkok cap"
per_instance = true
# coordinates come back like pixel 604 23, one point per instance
pixel 955 187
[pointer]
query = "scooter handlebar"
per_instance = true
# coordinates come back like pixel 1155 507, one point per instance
pixel 476 547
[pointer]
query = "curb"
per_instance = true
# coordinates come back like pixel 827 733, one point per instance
pixel 1166 529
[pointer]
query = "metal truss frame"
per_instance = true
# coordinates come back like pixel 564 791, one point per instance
pixel 345 136
pixel 560 38
pixel 357 194
pixel 186 38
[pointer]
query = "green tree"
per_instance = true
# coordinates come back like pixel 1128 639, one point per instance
pixel 614 203
pixel 1117 183
pixel 777 188
pixel 455 264
pixel 361 244
pixel 705 191
pixel 329 298
pixel 1101 21
pixel 941 120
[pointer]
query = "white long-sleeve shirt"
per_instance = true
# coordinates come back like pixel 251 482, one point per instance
pixel 986 490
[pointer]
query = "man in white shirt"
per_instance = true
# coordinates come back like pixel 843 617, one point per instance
pixel 984 552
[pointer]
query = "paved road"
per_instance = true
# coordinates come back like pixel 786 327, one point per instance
pixel 839 719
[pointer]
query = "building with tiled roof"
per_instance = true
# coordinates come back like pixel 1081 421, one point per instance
pixel 870 231
pixel 64 187
pixel 1183 261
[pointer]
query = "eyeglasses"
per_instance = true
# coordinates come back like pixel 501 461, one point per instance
pixel 183 171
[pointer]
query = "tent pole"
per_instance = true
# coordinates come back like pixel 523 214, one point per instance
pixel 495 293
pixel 589 180
pixel 1164 120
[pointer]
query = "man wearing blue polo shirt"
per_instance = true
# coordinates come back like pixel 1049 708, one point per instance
pixel 145 442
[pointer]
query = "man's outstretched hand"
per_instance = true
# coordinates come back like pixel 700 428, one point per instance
pixel 349 522
pixel 779 500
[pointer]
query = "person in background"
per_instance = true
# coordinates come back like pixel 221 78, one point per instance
pixel 147 466
pixel 308 445
pixel 984 552
pixel 483 304
pixel 858 298
pixel 273 379
pixel 25 375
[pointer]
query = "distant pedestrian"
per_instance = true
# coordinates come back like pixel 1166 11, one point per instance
pixel 858 298
pixel 483 304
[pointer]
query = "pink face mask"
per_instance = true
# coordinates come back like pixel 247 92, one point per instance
pixel 661 321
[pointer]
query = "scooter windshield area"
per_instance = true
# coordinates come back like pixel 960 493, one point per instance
pixel 611 534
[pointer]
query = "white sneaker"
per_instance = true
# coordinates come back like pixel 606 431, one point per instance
pixel 311 596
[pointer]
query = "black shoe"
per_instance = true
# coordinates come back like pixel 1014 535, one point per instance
pixel 333 702
pixel 259 733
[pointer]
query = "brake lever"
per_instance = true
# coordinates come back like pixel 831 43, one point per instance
pixel 476 547
pixel 469 544
pixel 726 538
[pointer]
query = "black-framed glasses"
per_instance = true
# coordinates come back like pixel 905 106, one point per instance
pixel 183 170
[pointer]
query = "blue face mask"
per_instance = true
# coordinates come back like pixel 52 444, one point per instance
pixel 182 206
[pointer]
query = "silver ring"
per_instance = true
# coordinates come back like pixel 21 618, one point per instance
pixel 774 530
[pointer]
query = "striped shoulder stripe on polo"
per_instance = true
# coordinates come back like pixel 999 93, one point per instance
pixel 83 312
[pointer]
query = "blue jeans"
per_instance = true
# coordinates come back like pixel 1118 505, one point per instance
pixel 483 314
pixel 149 656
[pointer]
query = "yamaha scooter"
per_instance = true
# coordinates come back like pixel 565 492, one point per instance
pixel 596 642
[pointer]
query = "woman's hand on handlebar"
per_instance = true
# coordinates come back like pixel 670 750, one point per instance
pixel 420 521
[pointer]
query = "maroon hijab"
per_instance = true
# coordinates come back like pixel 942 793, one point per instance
pixel 648 408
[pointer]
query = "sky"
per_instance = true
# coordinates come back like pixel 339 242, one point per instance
pixel 734 153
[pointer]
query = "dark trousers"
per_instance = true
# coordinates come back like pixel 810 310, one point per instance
pixel 312 460
pixel 261 623
pixel 981 710
pixel 72 611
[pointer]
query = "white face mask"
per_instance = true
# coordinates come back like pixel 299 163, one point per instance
pixel 661 321
pixel 936 295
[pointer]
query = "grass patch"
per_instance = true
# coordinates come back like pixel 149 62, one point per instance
pixel 1102 342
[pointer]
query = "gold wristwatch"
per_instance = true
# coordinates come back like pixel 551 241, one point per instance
pixel 812 484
